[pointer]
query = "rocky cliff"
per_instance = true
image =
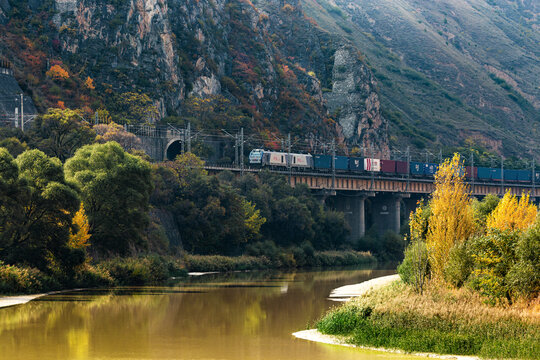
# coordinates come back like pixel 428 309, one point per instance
pixel 271 61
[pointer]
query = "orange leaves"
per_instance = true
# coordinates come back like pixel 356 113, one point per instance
pixel 56 72
pixel 61 105
pixel 89 83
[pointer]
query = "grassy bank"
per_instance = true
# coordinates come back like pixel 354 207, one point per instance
pixel 154 269
pixel 440 321
pixel 283 260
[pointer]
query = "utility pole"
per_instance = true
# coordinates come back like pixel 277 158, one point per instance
pixel 16 118
pixel 472 173
pixel 241 151
pixel 408 169
pixel 533 178
pixel 289 160
pixel 189 137
pixel 502 176
pixel 236 162
pixel 22 112
pixel 372 172
pixel 440 156
pixel 333 164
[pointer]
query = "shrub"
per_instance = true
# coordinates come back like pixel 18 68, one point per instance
pixel 343 320
pixel 16 279
pixel 459 266
pixel 91 276
pixel 415 267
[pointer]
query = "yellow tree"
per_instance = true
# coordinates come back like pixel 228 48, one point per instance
pixel 512 214
pixel 451 221
pixel 80 238
pixel 252 220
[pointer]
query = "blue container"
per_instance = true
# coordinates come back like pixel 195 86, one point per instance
pixel 524 175
pixel 496 174
pixel 537 177
pixel 356 164
pixel 510 175
pixel 341 163
pixel 322 161
pixel 417 168
pixel 489 173
pixel 430 169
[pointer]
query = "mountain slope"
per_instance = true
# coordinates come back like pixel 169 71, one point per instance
pixel 448 70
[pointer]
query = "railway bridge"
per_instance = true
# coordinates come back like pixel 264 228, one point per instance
pixel 377 200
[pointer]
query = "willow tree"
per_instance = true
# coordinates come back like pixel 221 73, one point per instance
pixel 451 221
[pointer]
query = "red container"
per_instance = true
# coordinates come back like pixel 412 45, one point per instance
pixel 471 171
pixel 401 167
pixel 388 166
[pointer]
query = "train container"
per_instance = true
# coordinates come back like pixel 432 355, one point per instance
pixel 510 175
pixel 356 164
pixel 401 167
pixel 524 176
pixel 471 172
pixel 430 169
pixel 341 162
pixel 489 173
pixel 537 177
pixel 417 168
pixel 373 165
pixel 388 166
pixel 275 158
pixel 301 161
pixel 323 162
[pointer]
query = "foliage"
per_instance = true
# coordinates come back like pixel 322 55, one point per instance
pixel 451 221
pixel 482 209
pixel 252 220
pixel 133 108
pixel 79 238
pixel 115 188
pixel 60 132
pixel 114 132
pixel 213 112
pixel 415 267
pixel 14 146
pixel 143 270
pixel 511 214
pixel 38 206
pixel 25 280
pixel 523 278
pixel 89 83
pixel 459 266
pixel 56 72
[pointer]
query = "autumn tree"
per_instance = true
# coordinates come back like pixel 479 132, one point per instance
pixel 60 132
pixel 114 132
pixel 80 234
pixel 36 213
pixel 115 188
pixel 451 221
pixel 512 214
pixel 133 108
pixel 56 72
pixel 252 220
pixel 89 83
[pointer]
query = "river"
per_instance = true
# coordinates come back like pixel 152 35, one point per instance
pixel 220 316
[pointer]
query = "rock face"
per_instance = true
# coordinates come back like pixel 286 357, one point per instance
pixel 270 60
pixel 356 105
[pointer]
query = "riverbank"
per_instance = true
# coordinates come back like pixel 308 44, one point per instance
pixel 155 269
pixel 441 321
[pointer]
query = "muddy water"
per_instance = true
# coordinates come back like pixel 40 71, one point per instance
pixel 237 316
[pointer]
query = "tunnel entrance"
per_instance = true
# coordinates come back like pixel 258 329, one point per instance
pixel 173 150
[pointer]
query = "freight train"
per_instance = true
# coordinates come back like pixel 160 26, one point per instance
pixel 349 164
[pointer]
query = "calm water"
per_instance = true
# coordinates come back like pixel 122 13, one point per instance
pixel 238 316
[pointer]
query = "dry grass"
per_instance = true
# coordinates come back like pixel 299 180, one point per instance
pixel 448 303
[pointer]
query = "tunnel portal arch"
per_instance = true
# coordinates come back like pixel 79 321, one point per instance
pixel 173 149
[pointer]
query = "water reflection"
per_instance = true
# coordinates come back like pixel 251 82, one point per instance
pixel 232 316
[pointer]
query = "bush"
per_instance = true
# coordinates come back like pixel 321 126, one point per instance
pixel 523 277
pixel 459 266
pixel 16 280
pixel 415 267
pixel 343 320
pixel 91 276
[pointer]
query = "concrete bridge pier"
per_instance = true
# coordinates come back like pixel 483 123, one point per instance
pixel 386 210
pixel 352 205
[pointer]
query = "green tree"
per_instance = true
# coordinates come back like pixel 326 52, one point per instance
pixel 115 187
pixel 60 133
pixel 14 146
pixel 133 108
pixel 37 211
